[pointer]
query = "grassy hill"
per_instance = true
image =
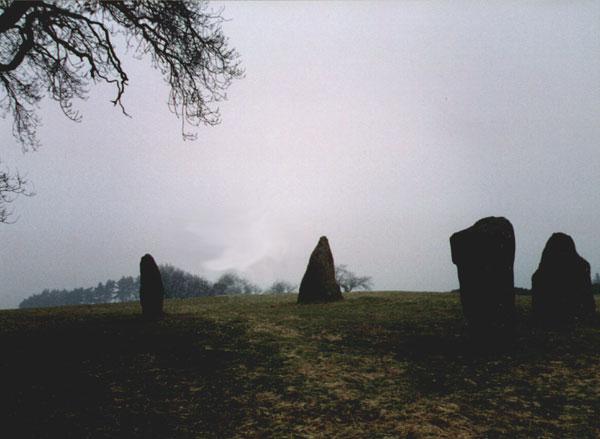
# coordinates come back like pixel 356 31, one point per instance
pixel 375 365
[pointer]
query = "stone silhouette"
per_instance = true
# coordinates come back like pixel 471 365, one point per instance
pixel 151 289
pixel 319 284
pixel 561 287
pixel 484 255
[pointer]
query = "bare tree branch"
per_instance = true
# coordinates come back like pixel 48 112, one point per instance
pixel 10 188
pixel 54 49
pixel 12 14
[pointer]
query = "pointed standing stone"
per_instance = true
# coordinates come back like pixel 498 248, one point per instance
pixel 561 287
pixel 484 255
pixel 318 283
pixel 151 288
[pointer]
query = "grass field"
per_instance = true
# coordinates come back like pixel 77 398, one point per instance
pixel 375 365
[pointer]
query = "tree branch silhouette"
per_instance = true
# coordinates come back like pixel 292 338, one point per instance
pixel 57 49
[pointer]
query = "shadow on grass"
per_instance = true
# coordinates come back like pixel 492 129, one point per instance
pixel 548 374
pixel 121 377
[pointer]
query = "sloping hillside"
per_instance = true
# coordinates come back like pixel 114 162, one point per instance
pixel 375 365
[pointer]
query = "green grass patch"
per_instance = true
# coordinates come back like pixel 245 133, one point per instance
pixel 374 365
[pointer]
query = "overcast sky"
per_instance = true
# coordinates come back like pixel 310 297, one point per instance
pixel 385 126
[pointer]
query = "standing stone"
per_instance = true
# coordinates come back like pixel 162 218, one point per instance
pixel 151 288
pixel 484 255
pixel 561 287
pixel 318 283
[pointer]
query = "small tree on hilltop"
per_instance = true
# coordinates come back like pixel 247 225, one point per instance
pixel 232 283
pixel 349 281
pixel 282 287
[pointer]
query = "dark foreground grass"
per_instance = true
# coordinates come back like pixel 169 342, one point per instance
pixel 374 365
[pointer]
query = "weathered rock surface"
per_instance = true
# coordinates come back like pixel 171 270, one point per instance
pixel 561 287
pixel 151 288
pixel 319 284
pixel 484 255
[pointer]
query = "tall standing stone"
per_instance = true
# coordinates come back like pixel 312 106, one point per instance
pixel 484 255
pixel 151 288
pixel 561 287
pixel 318 283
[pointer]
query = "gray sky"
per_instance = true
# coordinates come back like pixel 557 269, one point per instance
pixel 385 126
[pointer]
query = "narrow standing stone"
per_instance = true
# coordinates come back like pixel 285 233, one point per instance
pixel 151 289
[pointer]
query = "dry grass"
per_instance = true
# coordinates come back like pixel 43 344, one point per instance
pixel 375 365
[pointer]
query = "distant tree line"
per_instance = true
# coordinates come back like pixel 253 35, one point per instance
pixel 595 287
pixel 527 292
pixel 177 283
